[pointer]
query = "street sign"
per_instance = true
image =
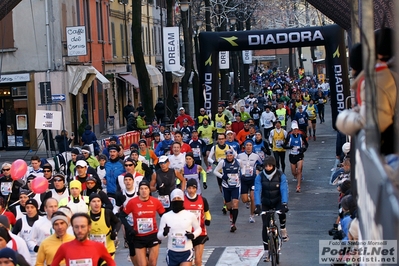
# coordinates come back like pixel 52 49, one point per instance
pixel 58 97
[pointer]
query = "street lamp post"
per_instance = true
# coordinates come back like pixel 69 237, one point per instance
pixel 165 119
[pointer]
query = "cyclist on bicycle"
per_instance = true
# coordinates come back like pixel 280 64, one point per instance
pixel 271 192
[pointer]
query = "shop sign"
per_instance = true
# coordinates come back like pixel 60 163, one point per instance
pixel 11 78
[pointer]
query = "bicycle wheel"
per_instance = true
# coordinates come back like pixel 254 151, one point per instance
pixel 272 250
pixel 277 254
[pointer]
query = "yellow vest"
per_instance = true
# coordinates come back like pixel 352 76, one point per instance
pixel 220 122
pixel 219 153
pixel 278 140
pixel 306 97
pixel 206 134
pixel 99 232
pixel 311 112
pixel 281 115
pixel 139 168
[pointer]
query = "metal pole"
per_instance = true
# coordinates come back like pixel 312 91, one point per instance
pixel 164 85
pixel 48 43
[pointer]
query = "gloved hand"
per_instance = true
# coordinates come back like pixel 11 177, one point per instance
pixel 36 249
pixel 284 208
pixel 205 185
pixel 302 150
pixel 189 235
pixel 259 167
pixel 215 162
pixel 166 230
pixel 258 209
pixel 113 235
pixel 225 177
pixel 132 233
pixel 207 222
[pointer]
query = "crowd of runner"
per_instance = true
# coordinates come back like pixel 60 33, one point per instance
pixel 99 198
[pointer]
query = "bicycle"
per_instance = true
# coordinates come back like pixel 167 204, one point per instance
pixel 273 233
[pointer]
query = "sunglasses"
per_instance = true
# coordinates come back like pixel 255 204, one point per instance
pixel 167 134
pixel 58 180
pixel 221 139
pixel 128 165
pixel 162 163
pixel 46 171
pixel 7 169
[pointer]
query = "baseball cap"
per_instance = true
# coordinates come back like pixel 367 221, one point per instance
pixel 113 138
pixel 166 131
pixel 229 132
pixel 192 183
pixel 177 193
pixel 294 125
pixel 181 108
pixel 81 163
pixel 163 159
pixel 91 178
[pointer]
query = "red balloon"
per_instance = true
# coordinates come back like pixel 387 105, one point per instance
pixel 18 169
pixel 39 185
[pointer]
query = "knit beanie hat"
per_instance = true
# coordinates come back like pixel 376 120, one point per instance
pixel 269 160
pixel 4 234
pixel 93 196
pixel 9 254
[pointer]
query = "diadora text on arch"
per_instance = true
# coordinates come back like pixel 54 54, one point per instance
pixel 283 37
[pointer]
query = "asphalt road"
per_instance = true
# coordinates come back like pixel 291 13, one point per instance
pixel 312 213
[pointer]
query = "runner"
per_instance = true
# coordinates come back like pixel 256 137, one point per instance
pixel 144 232
pixel 76 202
pixel 261 147
pixel 298 145
pixel 198 146
pixel 191 170
pixel 163 148
pixel 181 227
pixel 312 111
pixel 164 180
pixel 205 132
pixel 228 170
pixel 267 120
pixel 232 142
pixel 82 251
pixel 271 192
pixel 50 245
pixel 276 139
pixel 248 161
pixel 104 224
pixel 219 151
pixel 221 120
pixel 199 206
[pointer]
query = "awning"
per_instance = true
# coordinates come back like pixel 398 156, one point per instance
pixel 80 78
pixel 130 79
pixel 178 75
pixel 156 78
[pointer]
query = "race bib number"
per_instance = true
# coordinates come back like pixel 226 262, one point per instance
pixel 145 225
pixel 248 170
pixel 219 124
pixel 281 118
pixel 279 143
pixel 301 120
pixel 164 199
pixel 81 262
pixel 255 116
pixel 6 188
pixel 196 152
pixel 179 241
pixel 268 122
pixel 206 140
pixel 99 238
pixel 295 150
pixel 321 101
pixel 232 179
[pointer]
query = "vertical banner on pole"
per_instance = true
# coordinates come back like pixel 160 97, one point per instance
pixel 224 62
pixel 247 57
pixel 171 44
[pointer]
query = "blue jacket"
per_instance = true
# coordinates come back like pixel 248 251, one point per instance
pixel 235 145
pixel 88 137
pixel 113 169
pixel 283 189
pixel 163 146
pixel 105 150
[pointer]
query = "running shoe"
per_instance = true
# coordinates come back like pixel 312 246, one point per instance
pixel 251 219
pixel 233 228
pixel 247 205
pixel 209 169
pixel 284 234
pixel 266 257
pixel 224 210
pixel 294 179
pixel 129 259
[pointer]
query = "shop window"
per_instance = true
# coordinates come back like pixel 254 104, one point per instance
pixel 19 91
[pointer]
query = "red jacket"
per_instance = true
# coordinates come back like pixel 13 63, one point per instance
pixel 237 126
pixel 180 119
